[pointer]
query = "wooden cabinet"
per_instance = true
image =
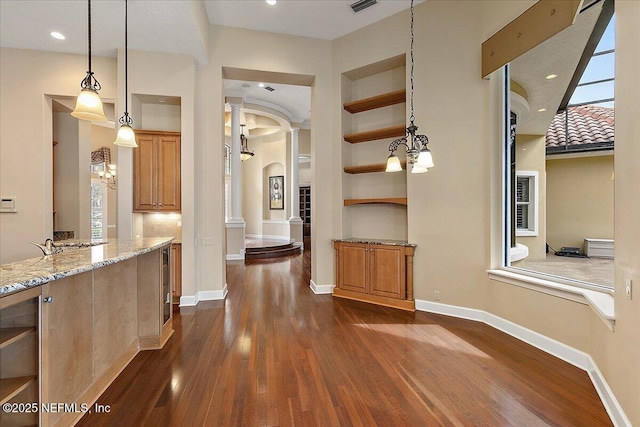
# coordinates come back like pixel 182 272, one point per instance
pixel 305 210
pixel 156 172
pixel 377 273
pixel 19 341
pixel 176 272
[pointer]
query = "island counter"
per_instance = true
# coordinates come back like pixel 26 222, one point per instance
pixel 71 322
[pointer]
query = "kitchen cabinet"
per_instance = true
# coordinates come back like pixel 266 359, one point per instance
pixel 378 272
pixel 156 172
pixel 176 272
pixel 20 341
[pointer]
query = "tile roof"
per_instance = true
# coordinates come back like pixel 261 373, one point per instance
pixel 590 127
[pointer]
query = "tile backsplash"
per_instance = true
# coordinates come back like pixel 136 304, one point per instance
pixel 162 225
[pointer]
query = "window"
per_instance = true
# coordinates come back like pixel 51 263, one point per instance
pixel 558 154
pixel 526 203
pixel 98 209
pixel 227 159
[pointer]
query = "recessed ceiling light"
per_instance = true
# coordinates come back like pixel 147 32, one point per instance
pixel 261 84
pixel 551 76
pixel 271 2
pixel 57 35
pixel 542 110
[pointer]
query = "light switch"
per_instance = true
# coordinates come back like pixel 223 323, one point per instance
pixel 8 204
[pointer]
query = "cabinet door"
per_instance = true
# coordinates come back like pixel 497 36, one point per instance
pixel 353 267
pixel 145 173
pixel 387 271
pixel 67 342
pixel 169 173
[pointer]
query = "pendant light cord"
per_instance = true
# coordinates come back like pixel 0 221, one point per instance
pixel 126 58
pixel 412 118
pixel 89 37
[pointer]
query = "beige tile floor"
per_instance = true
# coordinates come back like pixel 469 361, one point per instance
pixel 593 270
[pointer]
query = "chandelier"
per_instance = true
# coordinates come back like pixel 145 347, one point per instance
pixel 245 153
pixel 418 155
pixel 126 137
pixel 88 103
pixel 109 176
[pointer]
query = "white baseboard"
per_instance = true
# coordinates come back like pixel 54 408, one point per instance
pixel 236 257
pixel 188 300
pixel 549 345
pixel 268 237
pixel 192 300
pixel 320 289
pixel 213 295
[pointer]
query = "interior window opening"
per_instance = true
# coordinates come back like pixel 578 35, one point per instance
pixel 560 151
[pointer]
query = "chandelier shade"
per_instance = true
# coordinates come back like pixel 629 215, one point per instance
pixel 88 104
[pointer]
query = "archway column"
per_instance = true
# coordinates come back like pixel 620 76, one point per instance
pixel 235 225
pixel 295 222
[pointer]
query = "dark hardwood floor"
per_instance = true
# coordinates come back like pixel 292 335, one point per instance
pixel 275 354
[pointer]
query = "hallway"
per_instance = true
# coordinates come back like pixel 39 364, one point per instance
pixel 276 354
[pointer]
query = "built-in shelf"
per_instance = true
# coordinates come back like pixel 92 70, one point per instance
pixel 383 200
pixel 378 167
pixel 372 135
pixel 10 387
pixel 10 335
pixel 374 102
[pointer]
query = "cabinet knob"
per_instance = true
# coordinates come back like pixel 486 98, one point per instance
pixel 47 299
pixel 153 204
pixel 159 204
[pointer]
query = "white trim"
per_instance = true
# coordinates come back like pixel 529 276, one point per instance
pixel 579 155
pixel 601 302
pixel 234 224
pixel 285 239
pixel 236 257
pixel 276 221
pixel 548 345
pixel 320 289
pixel 533 202
pixel 188 300
pixel 193 300
pixel 212 295
pixel 518 253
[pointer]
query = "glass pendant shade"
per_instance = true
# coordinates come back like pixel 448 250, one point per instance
pixel 425 159
pixel 246 155
pixel 393 163
pixel 418 169
pixel 126 137
pixel 89 107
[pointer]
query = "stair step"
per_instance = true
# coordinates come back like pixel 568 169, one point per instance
pixel 272 252
pixel 268 248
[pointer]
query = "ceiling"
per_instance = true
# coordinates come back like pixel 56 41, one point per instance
pixel 558 55
pixel 181 27
pixel 174 26
pixel 292 101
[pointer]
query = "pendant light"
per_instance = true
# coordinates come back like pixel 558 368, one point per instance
pixel 245 154
pixel 126 137
pixel 418 155
pixel 89 105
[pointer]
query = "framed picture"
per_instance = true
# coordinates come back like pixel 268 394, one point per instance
pixel 276 192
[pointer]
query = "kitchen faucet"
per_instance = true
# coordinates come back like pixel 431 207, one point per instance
pixel 48 248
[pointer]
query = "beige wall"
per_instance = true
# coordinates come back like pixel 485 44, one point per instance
pixel 579 200
pixel 25 138
pixel 452 108
pixel 160 117
pixel 274 53
pixel 164 74
pixel 530 156
pixel 615 353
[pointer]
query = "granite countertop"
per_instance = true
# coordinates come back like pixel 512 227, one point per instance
pixel 375 241
pixel 33 272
